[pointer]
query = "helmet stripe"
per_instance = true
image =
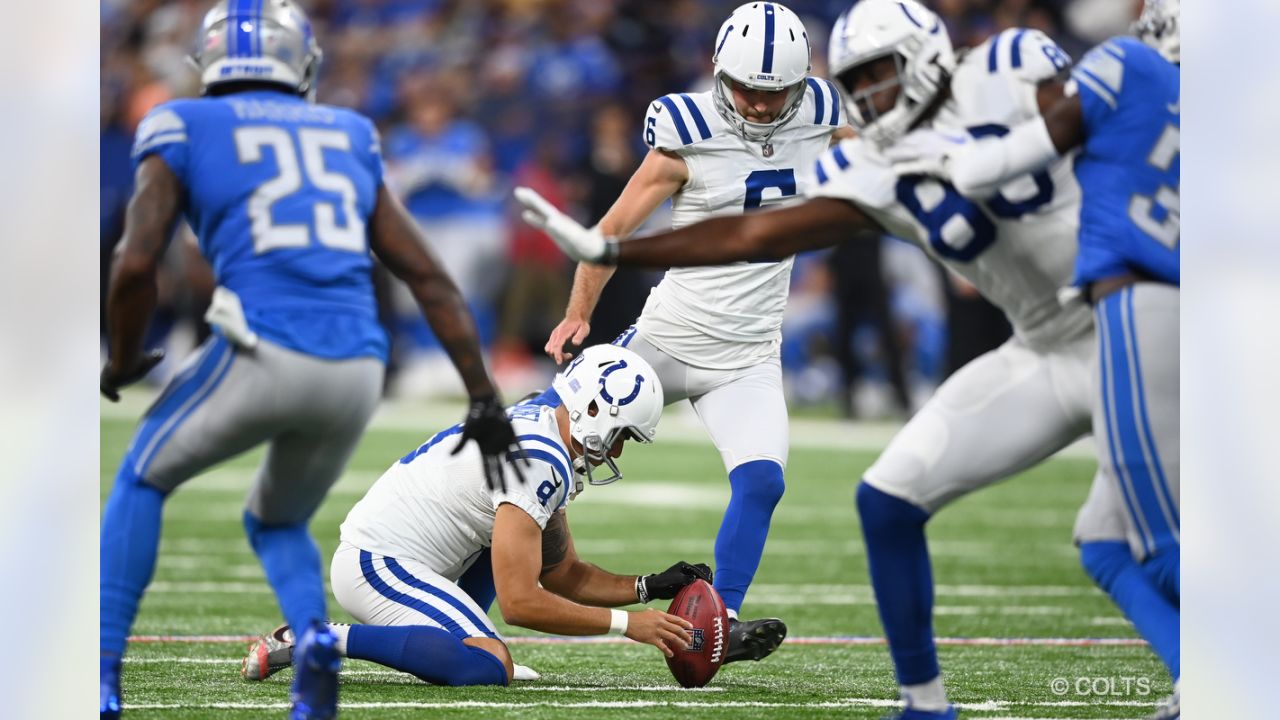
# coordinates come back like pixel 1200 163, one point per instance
pixel 241 22
pixel 767 66
pixel 726 37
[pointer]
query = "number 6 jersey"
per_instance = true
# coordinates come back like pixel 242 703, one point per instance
pixel 730 316
pixel 1017 247
pixel 279 192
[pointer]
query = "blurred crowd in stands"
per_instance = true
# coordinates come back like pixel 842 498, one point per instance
pixel 473 97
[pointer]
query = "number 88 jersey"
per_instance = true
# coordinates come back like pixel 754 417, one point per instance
pixel 728 317
pixel 1018 247
pixel 279 192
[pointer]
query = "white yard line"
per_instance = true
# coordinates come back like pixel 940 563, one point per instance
pixel 843 640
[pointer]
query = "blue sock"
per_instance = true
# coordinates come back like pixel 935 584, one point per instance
pixel 477 581
pixel 291 562
pixel 1164 568
pixel 756 489
pixel 1112 567
pixel 898 560
pixel 127 556
pixel 431 654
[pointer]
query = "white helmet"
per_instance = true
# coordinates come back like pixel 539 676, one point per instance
pixel 918 42
pixel 763 46
pixel 610 393
pixel 257 41
pixel 1157 26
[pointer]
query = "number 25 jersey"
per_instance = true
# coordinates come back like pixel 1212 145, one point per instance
pixel 279 193
pixel 1018 247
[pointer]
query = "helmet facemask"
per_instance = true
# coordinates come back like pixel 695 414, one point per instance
pixel 722 93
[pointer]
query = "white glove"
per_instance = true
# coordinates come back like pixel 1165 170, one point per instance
pixel 927 152
pixel 576 241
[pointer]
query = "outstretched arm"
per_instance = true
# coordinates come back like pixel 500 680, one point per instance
pixel 767 235
pixel 131 298
pixel 659 177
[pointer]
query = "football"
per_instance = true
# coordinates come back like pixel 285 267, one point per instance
pixel 700 604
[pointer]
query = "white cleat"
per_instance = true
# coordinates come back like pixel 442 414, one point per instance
pixel 524 673
pixel 268 655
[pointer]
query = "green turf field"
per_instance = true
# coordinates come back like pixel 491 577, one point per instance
pixel 1003 563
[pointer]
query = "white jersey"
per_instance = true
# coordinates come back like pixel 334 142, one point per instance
pixel 1017 247
pixel 436 508
pixel 730 316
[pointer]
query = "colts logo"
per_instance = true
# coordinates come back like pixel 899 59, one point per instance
pixel 695 640
pixel 604 389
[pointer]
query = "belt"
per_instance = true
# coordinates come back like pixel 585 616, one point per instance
pixel 1099 289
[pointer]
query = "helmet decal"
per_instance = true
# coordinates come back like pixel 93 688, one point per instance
pixel 604 389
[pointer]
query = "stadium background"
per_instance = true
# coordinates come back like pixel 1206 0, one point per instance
pixel 475 97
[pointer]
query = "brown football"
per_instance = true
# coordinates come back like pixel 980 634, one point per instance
pixel 700 604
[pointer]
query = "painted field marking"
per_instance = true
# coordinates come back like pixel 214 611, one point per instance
pixel 837 640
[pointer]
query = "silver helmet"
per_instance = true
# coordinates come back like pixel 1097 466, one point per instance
pixel 1158 27
pixel 258 41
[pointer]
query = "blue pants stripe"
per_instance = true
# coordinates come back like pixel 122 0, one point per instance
pixel 1163 492
pixel 1126 490
pixel 386 591
pixel 185 394
pixel 408 579
pixel 1122 392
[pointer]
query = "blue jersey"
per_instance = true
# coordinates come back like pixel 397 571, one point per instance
pixel 279 193
pixel 1129 166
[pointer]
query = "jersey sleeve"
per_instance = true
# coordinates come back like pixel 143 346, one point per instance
pixel 1099 79
pixel 854 172
pixel 674 122
pixel 821 105
pixel 374 141
pixel 1028 53
pixel 163 132
pixel 547 472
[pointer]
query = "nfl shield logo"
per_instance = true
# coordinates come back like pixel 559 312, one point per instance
pixel 695 640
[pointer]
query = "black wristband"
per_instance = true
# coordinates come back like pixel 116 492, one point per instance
pixel 611 250
pixel 642 592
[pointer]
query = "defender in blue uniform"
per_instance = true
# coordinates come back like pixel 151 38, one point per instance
pixel 1121 109
pixel 288 201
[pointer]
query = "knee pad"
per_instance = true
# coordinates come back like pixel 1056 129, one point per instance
pixel 881 512
pixel 759 481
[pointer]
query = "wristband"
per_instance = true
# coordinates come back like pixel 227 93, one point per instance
pixel 642 590
pixel 618 621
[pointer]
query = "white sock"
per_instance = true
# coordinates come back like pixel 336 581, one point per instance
pixel 340 631
pixel 929 696
pixel 733 614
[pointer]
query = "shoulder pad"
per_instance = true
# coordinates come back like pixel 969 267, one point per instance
pixel 854 170
pixel 677 120
pixel 1102 70
pixel 822 105
pixel 163 125
pixel 1025 52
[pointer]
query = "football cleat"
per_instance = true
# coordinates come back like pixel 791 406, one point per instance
pixel 911 713
pixel 314 695
pixel 754 639
pixel 109 691
pixel 525 673
pixel 268 655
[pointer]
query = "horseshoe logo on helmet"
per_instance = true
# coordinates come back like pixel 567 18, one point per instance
pixel 604 390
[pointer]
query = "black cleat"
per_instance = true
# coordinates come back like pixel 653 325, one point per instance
pixel 754 639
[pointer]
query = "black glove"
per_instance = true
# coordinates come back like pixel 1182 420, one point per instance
pixel 488 425
pixel 665 585
pixel 110 384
